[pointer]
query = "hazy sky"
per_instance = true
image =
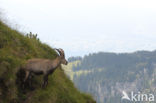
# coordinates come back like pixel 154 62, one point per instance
pixel 85 26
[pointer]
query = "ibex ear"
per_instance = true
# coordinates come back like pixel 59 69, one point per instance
pixel 62 51
pixel 59 52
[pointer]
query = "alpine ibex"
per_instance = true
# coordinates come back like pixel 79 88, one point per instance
pixel 44 66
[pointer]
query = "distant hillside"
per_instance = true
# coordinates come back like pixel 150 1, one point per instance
pixel 15 49
pixel 106 75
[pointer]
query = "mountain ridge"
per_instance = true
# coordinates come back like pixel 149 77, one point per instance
pixel 113 73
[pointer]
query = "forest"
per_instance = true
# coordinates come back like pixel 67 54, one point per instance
pixel 105 75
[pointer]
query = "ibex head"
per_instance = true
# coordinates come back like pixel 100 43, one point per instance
pixel 62 56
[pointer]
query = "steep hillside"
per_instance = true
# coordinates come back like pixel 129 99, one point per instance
pixel 15 49
pixel 106 75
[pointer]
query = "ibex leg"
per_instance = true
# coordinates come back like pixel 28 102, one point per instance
pixel 45 80
pixel 27 73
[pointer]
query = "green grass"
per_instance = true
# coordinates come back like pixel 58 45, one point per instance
pixel 15 49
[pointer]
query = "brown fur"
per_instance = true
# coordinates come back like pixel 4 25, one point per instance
pixel 44 66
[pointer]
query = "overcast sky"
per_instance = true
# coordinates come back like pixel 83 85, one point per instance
pixel 86 26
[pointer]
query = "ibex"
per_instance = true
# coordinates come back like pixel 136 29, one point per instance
pixel 44 66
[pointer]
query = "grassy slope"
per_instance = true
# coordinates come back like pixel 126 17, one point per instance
pixel 15 49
